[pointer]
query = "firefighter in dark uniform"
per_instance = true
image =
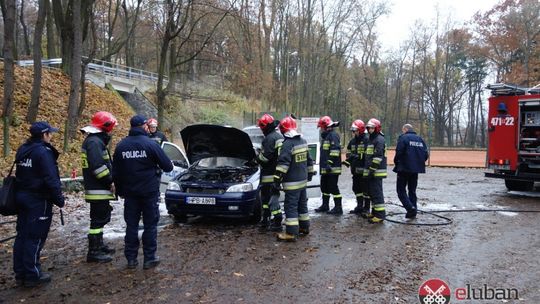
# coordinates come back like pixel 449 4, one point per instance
pixel 330 152
pixel 137 165
pixel 38 188
pixel 355 160
pixel 375 169
pixel 267 158
pixel 293 171
pixel 98 182
pixel 410 159
pixel 154 133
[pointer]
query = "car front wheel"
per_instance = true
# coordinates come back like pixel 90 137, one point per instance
pixel 257 210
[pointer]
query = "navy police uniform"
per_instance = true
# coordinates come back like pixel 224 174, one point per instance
pixel 137 165
pixel 38 188
pixel 410 158
pixel 294 169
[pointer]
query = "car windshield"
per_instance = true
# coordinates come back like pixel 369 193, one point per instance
pixel 221 162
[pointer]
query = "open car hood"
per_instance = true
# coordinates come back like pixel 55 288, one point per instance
pixel 201 141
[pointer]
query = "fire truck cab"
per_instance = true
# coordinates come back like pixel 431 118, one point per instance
pixel 514 136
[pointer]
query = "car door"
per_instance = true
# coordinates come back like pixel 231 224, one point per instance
pixel 180 163
pixel 315 183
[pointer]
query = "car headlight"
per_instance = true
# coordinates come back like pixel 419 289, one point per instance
pixel 173 186
pixel 241 188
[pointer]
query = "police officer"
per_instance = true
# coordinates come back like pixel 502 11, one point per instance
pixel 355 160
pixel 154 133
pixel 375 169
pixel 330 152
pixel 267 158
pixel 38 188
pixel 137 165
pixel 410 159
pixel 98 182
pixel 293 171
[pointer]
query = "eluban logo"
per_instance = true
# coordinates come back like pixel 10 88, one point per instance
pixel 486 293
pixel 434 291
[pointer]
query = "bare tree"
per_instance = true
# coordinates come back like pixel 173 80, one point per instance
pixel 8 12
pixel 33 106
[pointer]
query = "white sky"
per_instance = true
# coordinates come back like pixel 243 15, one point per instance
pixel 395 27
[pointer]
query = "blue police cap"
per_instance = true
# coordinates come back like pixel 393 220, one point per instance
pixel 137 121
pixel 41 127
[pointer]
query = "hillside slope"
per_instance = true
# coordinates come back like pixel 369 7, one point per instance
pixel 53 108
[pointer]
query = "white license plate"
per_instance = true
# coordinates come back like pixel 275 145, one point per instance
pixel 201 200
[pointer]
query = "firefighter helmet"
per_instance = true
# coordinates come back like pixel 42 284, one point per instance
pixel 152 122
pixel 324 122
pixel 265 121
pixel 358 125
pixel 375 124
pixel 287 124
pixel 104 121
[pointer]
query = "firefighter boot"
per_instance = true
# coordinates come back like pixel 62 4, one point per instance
pixel 104 248
pixel 276 223
pixel 264 223
pixel 359 206
pixel 337 210
pixel 286 237
pixel 94 250
pixel 325 201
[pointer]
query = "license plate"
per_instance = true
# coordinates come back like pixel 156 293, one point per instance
pixel 201 200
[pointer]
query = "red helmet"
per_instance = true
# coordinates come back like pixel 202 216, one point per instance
pixel 324 122
pixel 358 125
pixel 104 121
pixel 374 123
pixel 264 121
pixel 152 122
pixel 287 124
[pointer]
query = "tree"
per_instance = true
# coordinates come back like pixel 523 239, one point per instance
pixel 8 12
pixel 36 86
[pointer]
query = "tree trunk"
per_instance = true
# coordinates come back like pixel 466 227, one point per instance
pixel 9 77
pixel 25 31
pixel 36 85
pixel 51 40
pixel 72 120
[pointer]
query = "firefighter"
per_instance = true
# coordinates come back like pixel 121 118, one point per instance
pixel 410 159
pixel 98 182
pixel 375 169
pixel 330 152
pixel 137 165
pixel 293 171
pixel 38 188
pixel 355 160
pixel 267 158
pixel 154 133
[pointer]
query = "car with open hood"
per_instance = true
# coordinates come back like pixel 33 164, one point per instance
pixel 222 178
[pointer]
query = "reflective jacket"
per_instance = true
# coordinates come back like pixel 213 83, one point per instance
pixel 37 171
pixel 411 153
pixel 137 161
pixel 355 154
pixel 271 145
pixel 375 156
pixel 158 137
pixel 294 163
pixel 96 167
pixel 330 153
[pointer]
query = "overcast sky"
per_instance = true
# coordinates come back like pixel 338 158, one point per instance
pixel 395 28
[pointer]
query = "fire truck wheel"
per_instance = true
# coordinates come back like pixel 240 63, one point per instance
pixel 518 185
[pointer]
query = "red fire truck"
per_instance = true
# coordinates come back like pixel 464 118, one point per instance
pixel 514 136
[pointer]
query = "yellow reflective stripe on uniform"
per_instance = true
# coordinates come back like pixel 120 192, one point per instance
pixel 369 149
pixel 84 160
pixel 103 174
pixel 303 217
pixel 98 195
pixel 100 170
pixel 380 174
pixel 267 179
pixel 326 145
pixel 335 170
pixel 326 194
pixel 378 207
pixel 262 158
pixel 276 212
pixel 359 194
pixel 294 185
pixel 330 162
pixel 265 206
pixel 282 168
pixel 338 196
pixel 296 151
pixel 377 160
pixel 105 155
pixel 95 231
pixel 278 143
pixel 334 153
pixel 292 222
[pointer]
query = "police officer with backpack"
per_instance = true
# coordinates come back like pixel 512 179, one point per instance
pixel 137 165
pixel 38 188
pixel 98 182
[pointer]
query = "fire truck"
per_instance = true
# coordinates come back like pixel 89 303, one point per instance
pixel 514 135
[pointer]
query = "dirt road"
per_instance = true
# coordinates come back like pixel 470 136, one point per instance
pixel 343 260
